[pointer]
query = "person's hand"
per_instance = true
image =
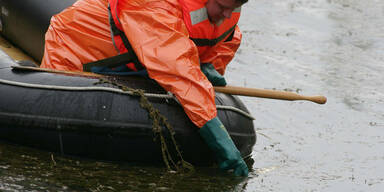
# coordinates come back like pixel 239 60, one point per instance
pixel 238 166
pixel 212 75
pixel 218 140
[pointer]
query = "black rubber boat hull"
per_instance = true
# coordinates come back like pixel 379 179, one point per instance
pixel 100 124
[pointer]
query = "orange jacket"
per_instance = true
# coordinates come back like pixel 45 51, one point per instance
pixel 160 38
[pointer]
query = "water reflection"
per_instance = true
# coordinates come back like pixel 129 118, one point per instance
pixel 353 53
pixel 330 47
pixel 32 170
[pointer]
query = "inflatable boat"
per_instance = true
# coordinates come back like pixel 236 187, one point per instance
pixel 93 116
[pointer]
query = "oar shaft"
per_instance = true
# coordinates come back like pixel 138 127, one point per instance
pixel 271 94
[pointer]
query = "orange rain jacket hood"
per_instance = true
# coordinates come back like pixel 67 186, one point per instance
pixel 165 35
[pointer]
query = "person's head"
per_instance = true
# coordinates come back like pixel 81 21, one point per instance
pixel 218 10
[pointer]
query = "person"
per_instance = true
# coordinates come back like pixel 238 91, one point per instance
pixel 184 45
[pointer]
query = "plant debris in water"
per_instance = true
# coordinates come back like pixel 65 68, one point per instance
pixel 158 121
pixel 26 169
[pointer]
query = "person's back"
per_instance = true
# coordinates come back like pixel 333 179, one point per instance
pixel 80 34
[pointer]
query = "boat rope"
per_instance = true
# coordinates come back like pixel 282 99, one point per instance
pixel 115 90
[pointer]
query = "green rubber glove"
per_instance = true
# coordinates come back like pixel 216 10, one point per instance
pixel 218 140
pixel 213 76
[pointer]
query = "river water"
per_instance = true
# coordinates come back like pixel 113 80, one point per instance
pixel 329 47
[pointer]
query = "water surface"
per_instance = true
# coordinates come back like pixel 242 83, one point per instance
pixel 329 47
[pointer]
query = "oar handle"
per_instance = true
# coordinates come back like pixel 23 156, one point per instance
pixel 271 94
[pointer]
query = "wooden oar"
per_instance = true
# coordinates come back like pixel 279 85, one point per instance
pixel 264 93
pixel 271 94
